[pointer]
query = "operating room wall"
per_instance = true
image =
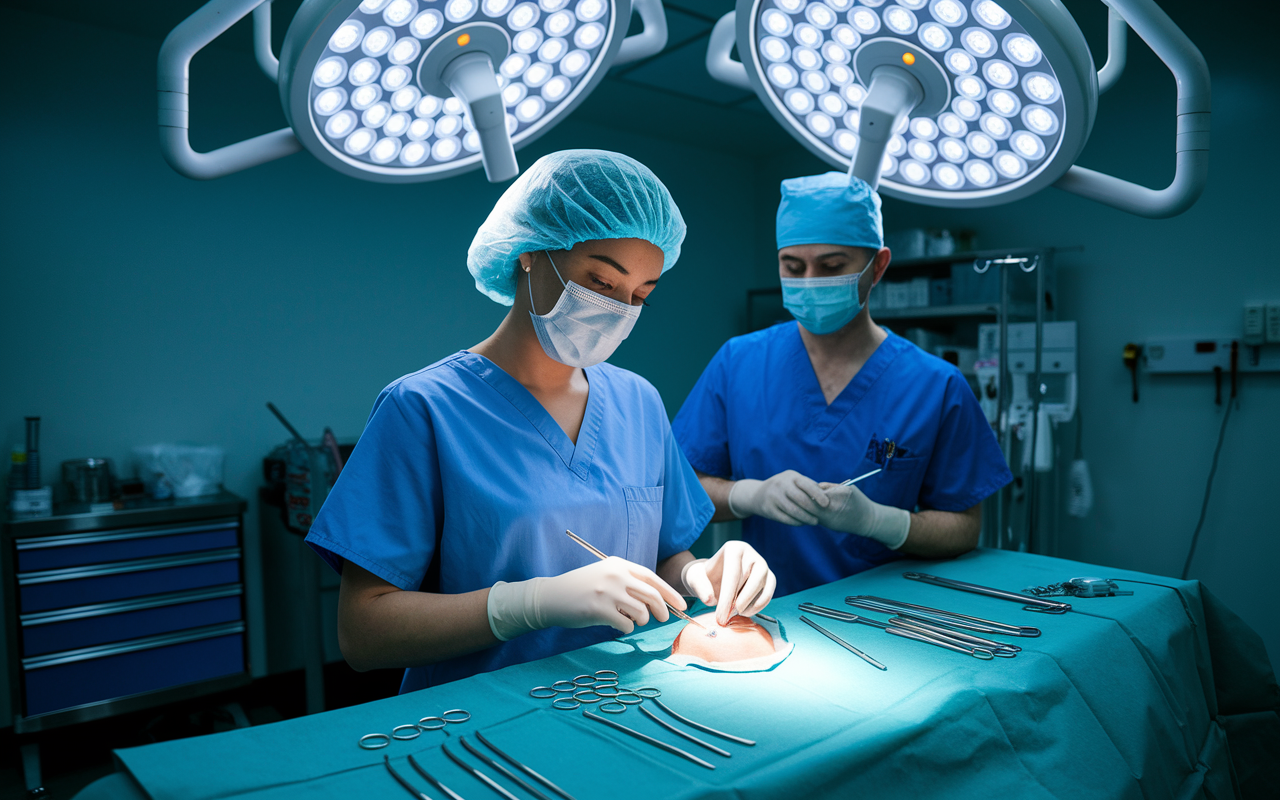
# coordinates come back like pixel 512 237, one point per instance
pixel 141 307
pixel 1137 278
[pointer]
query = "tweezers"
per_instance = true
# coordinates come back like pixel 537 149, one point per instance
pixel 700 726
pixel 593 551
pixel 645 738
pixel 901 627
pixel 683 734
pixel 842 643
pixel 401 780
pixel 439 786
pixel 527 770
pixel 490 782
pixel 1028 603
pixel 501 770
pixel 949 619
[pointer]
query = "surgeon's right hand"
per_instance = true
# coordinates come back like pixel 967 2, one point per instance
pixel 788 497
pixel 612 592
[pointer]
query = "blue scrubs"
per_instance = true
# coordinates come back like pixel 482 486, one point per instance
pixel 462 479
pixel 758 410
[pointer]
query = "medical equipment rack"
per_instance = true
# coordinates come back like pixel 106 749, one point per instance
pixel 1022 289
pixel 120 611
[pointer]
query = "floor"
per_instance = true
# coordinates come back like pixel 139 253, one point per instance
pixel 75 756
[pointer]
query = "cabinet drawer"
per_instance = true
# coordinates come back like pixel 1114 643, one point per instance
pixel 72 550
pixel 42 591
pixel 86 626
pixel 58 682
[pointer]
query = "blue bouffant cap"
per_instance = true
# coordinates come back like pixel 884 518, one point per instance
pixel 569 197
pixel 831 208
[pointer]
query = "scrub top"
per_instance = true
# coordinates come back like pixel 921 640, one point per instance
pixel 462 479
pixel 758 410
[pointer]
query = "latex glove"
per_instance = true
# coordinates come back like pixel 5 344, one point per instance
pixel 735 578
pixel 851 511
pixel 612 592
pixel 788 497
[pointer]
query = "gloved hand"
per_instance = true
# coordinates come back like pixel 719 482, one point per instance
pixel 612 592
pixel 788 497
pixel 851 511
pixel 736 577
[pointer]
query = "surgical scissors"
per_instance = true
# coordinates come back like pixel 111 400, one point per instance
pixel 842 643
pixel 593 551
pixel 937 616
pixel 902 628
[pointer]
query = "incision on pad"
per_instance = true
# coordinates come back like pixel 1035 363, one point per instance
pixel 739 640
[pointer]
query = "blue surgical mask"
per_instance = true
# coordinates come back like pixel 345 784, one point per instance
pixel 822 305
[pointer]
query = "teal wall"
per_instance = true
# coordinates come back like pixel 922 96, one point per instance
pixel 143 307
pixel 1139 278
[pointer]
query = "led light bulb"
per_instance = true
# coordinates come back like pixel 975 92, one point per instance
pixel 527 41
pixel 899 20
pixel 330 101
pixel 1040 87
pixel 364 71
pixel 414 153
pixel 807 35
pixel 948 12
pixel 552 50
pixel 953 150
pixel 428 106
pixel 536 75
pixel 1027 145
pixel 496 8
pixel 820 15
pixel 378 41
pixel 396 77
pixel 990 13
pixel 783 76
pixel 514 93
pixel 971 87
pixel 384 151
pixel 815 82
pixel 1040 119
pixel 1004 103
pixel 839 74
pixel 347 36
pixel 372 6
pixel 471 142
pixel 897 146
pixel 774 49
pixel 864 21
pixel 831 104
pixel 1022 50
pixel 966 109
pixel 446 149
pixel 375 115
pixel 448 125
pixel 980 144
pixel 460 10
pixel 330 71
pixel 405 98
pixel 555 90
pixel 590 10
pixel 552 5
pixel 364 96
pixel 359 142
pixel 575 63
pixel 806 58
pixel 960 62
pixel 340 124
pixel 404 50
pixel 426 24
pixel 952 125
pixel 845 141
pixel 935 37
pixel 398 12
pixel 922 151
pixel 1009 165
pixel 924 128
pixel 776 22
pixel 852 118
pixel 419 129
pixel 524 15
pixel 948 175
pixel 1000 74
pixel 820 124
pixel 888 166
pixel 454 106
pixel 914 172
pixel 790 6
pixel 979 173
pixel 397 124
pixel 799 101
pixel 854 94
pixel 995 126
pixel 530 109
pixel 589 35
pixel 978 41
pixel 834 53
pixel 846 36
pixel 559 23
pixel 514 64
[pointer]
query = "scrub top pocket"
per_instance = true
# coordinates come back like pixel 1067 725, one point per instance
pixel 644 521
pixel 899 483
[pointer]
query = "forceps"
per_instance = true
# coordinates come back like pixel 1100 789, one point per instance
pixel 949 619
pixel 673 609
pixel 898 627
pixel 1028 603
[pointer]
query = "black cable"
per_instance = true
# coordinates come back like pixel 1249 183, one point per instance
pixel 1208 488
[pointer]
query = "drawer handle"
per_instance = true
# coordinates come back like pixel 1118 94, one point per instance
pixel 122 606
pixel 118 567
pixel 132 646
pixel 71 539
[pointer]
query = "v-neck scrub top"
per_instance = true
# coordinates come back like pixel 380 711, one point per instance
pixel 758 410
pixel 462 479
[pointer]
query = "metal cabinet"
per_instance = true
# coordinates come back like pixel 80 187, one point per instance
pixel 107 613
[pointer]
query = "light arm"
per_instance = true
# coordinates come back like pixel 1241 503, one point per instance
pixel 1117 51
pixel 720 63
pixel 651 40
pixel 183 42
pixel 1192 148
pixel 262 42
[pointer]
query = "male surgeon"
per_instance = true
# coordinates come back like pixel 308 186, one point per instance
pixel 781 417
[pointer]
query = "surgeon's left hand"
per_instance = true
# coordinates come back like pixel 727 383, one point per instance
pixel 736 577
pixel 851 511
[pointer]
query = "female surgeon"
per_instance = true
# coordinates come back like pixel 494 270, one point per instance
pixel 781 417
pixel 448 522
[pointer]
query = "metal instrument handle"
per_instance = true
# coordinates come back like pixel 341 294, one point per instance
pixel 976 652
pixel 1045 606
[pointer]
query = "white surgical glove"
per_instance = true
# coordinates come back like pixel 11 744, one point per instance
pixel 612 592
pixel 851 511
pixel 736 577
pixel 788 497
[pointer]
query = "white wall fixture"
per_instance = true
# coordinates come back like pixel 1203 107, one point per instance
pixel 959 102
pixel 400 91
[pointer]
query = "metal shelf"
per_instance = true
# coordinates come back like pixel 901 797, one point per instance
pixel 937 312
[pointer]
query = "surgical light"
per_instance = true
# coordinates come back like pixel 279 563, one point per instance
pixel 362 81
pixel 958 102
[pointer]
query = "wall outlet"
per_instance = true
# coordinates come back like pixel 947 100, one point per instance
pixel 1273 323
pixel 1255 327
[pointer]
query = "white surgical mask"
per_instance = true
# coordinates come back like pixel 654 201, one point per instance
pixel 585 327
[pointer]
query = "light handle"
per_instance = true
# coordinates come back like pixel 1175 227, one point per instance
pixel 1191 72
pixel 470 77
pixel 892 95
pixel 191 36
pixel 651 40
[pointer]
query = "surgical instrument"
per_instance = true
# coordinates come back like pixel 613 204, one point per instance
pixel 490 782
pixel 522 767
pixel 703 728
pixel 899 626
pixel 1028 603
pixel 674 610
pixel 501 770
pixel 842 643
pixel 451 794
pixel 949 619
pixel 685 735
pixel 456 711
pixel 401 780
pixel 425 723
pixel 852 481
pixel 612 707
pixel 416 732
pixel 646 738
pixel 999 649
pixel 376 741
pixel 1080 587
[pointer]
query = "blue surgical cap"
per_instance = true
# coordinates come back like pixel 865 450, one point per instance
pixel 569 197
pixel 832 208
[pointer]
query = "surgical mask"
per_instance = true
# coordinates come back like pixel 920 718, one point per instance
pixel 585 327
pixel 822 305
